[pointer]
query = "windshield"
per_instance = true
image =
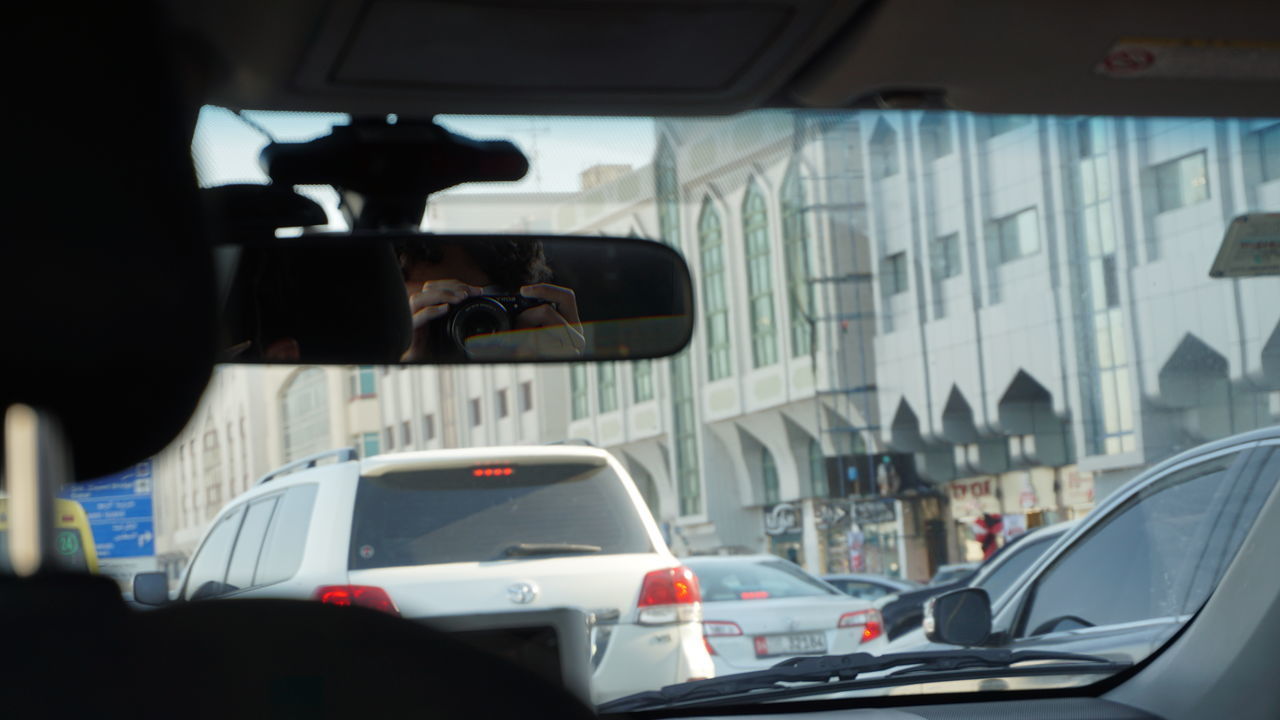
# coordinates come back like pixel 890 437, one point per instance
pixel 917 336
pixel 427 517
pixel 757 580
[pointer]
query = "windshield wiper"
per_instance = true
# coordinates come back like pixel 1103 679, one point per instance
pixel 829 672
pixel 531 549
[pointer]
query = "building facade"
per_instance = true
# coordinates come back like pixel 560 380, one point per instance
pixel 1047 323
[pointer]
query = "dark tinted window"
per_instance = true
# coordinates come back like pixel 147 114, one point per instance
pixel 861 589
pixel 1020 558
pixel 244 559
pixel 468 514
pixel 287 536
pixel 758 580
pixel 209 568
pixel 1139 563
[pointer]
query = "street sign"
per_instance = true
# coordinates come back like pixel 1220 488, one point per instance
pixel 120 512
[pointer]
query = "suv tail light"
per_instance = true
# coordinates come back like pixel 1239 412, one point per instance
pixel 869 620
pixel 360 595
pixel 670 595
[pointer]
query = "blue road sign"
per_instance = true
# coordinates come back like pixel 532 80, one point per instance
pixel 120 512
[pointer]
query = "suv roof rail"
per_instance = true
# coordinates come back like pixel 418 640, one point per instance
pixel 342 454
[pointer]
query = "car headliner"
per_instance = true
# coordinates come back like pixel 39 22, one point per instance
pixel 689 57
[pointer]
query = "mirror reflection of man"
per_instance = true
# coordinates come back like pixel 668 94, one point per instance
pixel 441 276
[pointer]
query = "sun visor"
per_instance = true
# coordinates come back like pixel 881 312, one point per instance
pixel 485 56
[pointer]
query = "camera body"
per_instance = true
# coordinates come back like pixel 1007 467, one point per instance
pixel 481 315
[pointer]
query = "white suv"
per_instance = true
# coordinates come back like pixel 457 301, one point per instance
pixel 457 532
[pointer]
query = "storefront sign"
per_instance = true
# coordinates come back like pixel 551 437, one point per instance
pixel 1013 525
pixel 874 511
pixel 782 519
pixel 829 514
pixel 971 498
pixel 1077 488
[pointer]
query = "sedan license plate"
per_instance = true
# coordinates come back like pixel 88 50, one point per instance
pixel 793 644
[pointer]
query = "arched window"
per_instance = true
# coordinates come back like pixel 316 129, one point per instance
pixel 305 414
pixel 579 399
pixel 607 387
pixel 755 226
pixel 769 477
pixel 667 193
pixel 818 470
pixel 715 306
pixel 683 412
pixel 796 240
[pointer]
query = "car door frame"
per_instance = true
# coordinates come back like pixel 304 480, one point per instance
pixel 1009 613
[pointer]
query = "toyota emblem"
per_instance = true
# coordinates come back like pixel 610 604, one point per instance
pixel 522 593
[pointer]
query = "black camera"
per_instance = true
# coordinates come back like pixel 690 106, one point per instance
pixel 482 315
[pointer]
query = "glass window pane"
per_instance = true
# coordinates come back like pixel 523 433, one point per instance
pixel 1105 357
pixel 1104 587
pixel 209 568
pixel 287 537
pixel 1028 233
pixel 1124 403
pixel 1088 182
pixel 244 559
pixel 1119 349
pixel 1269 147
pixel 1195 179
pixel 1110 411
pixel 1092 233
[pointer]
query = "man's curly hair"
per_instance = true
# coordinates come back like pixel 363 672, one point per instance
pixel 509 262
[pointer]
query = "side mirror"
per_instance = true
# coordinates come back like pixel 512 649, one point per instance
pixel 151 588
pixel 960 617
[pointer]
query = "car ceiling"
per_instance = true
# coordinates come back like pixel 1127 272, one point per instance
pixel 696 57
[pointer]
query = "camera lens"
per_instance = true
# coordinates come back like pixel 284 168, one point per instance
pixel 478 316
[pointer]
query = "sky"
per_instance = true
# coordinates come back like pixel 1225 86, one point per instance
pixel 226 148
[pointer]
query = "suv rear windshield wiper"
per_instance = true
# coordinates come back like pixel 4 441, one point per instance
pixel 530 549
pixel 831 672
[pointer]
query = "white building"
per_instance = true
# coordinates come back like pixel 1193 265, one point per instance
pixel 1046 315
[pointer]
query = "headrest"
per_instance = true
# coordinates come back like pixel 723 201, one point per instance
pixel 105 275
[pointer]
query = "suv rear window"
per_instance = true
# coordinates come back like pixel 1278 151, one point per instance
pixel 427 517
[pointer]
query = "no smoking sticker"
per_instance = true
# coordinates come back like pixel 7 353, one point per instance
pixel 366 551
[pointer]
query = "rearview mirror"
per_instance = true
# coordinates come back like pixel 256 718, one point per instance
pixel 960 617
pixel 151 588
pixel 384 298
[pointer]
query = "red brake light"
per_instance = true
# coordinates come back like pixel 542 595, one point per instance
pixel 872 630
pixel 361 595
pixel 754 595
pixel 493 472
pixel 670 595
pixel 869 620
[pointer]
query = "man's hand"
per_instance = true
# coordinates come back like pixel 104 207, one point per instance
pixel 431 302
pixel 561 314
